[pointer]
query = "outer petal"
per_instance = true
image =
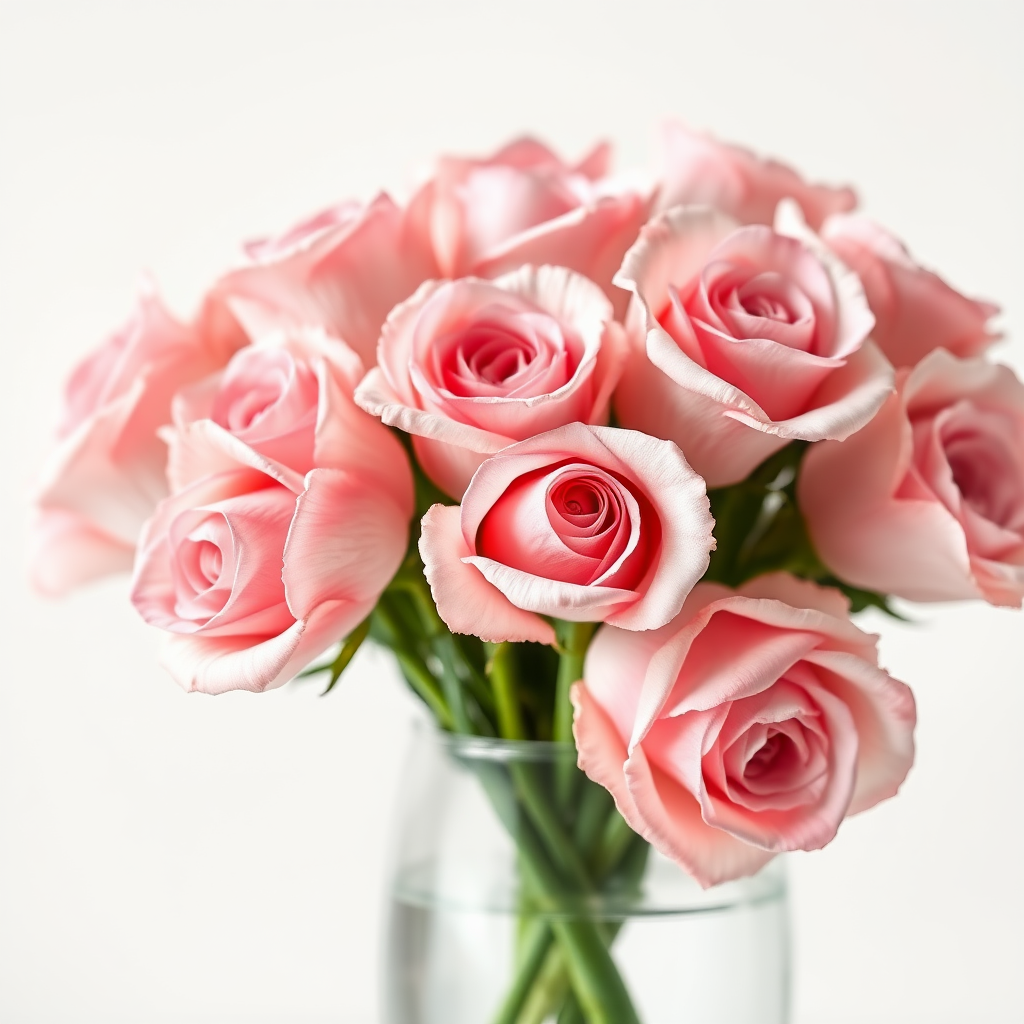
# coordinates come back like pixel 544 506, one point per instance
pixel 591 240
pixel 864 533
pixel 66 551
pixel 671 821
pixel 885 714
pixel 672 248
pixel 348 439
pixel 699 169
pixel 85 476
pixel 799 593
pixel 203 449
pixel 916 310
pixel 723 450
pixel 218 664
pixel 345 544
pixel 464 598
pixel 345 276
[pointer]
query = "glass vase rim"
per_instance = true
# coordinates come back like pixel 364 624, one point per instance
pixel 471 747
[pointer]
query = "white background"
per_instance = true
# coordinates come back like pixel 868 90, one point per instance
pixel 173 858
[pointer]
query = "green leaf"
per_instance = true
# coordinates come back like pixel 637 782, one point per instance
pixel 351 644
pixel 759 529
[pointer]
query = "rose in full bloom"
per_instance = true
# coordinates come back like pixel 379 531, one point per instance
pixel 700 171
pixel 582 523
pixel 525 205
pixel 743 339
pixel 341 270
pixel 108 470
pixel 752 724
pixel 927 501
pixel 284 527
pixel 468 367
pixel 915 310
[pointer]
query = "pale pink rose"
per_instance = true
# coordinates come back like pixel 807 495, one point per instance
pixel 279 395
pixel 700 171
pixel 752 724
pixel 582 523
pixel 252 567
pixel 525 205
pixel 468 367
pixel 927 501
pixel 743 339
pixel 108 470
pixel 341 270
pixel 915 310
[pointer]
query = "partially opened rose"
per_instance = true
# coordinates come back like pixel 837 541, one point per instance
pixel 524 205
pixel 752 724
pixel 259 562
pixel 108 470
pixel 927 501
pixel 582 523
pixel 341 270
pixel 468 367
pixel 701 171
pixel 281 396
pixel 915 310
pixel 743 339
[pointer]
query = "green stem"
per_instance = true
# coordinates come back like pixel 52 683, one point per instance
pixel 457 669
pixel 623 852
pixel 501 669
pixel 550 988
pixel 615 841
pixel 592 972
pixel 534 948
pixel 573 640
pixel 545 819
pixel 413 667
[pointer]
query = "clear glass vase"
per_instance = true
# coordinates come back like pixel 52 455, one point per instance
pixel 519 896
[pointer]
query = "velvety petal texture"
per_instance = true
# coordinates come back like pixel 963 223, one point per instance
pixel 341 270
pixel 751 724
pixel 470 366
pixel 108 469
pixel 524 204
pixel 915 310
pixel 743 339
pixel 584 523
pixel 927 501
pixel 701 171
pixel 289 516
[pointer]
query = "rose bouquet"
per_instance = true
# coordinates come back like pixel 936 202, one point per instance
pixel 602 460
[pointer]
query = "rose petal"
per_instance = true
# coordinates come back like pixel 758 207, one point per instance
pixel 465 600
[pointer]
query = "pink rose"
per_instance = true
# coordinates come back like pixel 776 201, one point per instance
pixel 469 366
pixel 107 472
pixel 927 501
pixel 274 393
pixel 752 724
pixel 525 205
pixel 341 270
pixel 700 171
pixel 253 567
pixel 915 310
pixel 582 523
pixel 742 340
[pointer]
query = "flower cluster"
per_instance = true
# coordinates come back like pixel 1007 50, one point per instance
pixel 714 413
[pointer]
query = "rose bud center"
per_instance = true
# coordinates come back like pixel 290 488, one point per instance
pixel 506 353
pixel 265 390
